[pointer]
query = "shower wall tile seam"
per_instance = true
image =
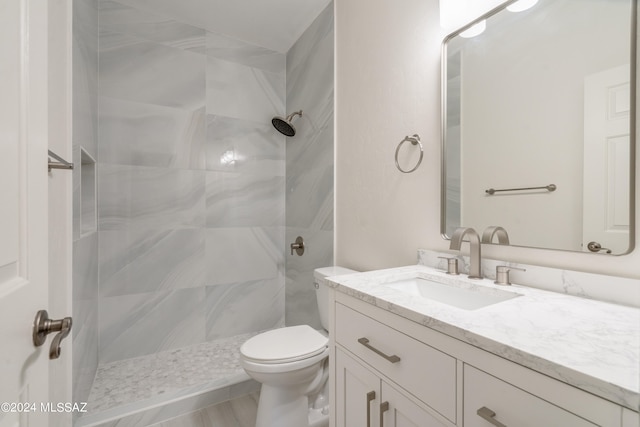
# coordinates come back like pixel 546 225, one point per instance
pixel 257 173
pixel 142 11
pixel 108 295
pixel 135 39
pixel 242 63
pixel 154 167
pixel 141 103
pixel 250 120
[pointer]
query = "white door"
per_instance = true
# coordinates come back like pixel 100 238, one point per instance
pixel 23 210
pixel 607 108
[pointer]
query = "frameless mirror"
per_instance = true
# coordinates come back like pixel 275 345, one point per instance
pixel 538 125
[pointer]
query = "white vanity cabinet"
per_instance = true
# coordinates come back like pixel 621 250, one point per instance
pixel 431 379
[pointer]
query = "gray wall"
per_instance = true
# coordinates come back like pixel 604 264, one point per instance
pixel 191 183
pixel 85 241
pixel 310 161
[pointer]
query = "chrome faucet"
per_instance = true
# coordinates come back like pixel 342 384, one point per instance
pixel 495 230
pixel 474 252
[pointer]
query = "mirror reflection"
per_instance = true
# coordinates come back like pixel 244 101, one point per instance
pixel 538 118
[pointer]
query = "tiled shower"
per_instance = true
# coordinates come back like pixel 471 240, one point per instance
pixel 197 195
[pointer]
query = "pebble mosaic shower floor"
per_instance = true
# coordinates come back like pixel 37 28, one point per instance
pixel 126 385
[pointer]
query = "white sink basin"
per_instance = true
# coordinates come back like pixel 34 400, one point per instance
pixel 468 298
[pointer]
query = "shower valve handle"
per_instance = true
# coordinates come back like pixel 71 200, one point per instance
pixel 298 246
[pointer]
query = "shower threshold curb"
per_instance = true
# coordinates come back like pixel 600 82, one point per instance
pixel 170 405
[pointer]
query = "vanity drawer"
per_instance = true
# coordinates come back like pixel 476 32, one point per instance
pixel 511 406
pixel 428 374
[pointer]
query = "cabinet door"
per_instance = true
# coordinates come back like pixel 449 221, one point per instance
pixel 402 412
pixel 357 393
pixel 630 418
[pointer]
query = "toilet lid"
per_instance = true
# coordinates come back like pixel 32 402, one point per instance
pixel 284 345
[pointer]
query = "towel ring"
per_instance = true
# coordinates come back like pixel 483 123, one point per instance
pixel 414 140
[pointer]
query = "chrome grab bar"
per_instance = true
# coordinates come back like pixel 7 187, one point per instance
pixel 365 342
pixel 488 415
pixel 60 164
pixel 550 188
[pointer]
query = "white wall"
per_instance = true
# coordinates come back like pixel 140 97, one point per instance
pixel 388 86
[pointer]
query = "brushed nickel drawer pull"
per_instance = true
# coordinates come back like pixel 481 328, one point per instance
pixel 365 342
pixel 370 398
pixel 488 415
pixel 384 407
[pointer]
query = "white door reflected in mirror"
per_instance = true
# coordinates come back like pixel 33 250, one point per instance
pixel 607 108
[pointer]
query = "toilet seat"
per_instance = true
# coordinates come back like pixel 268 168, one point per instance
pixel 284 345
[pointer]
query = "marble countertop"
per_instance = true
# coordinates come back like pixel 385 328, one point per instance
pixel 589 344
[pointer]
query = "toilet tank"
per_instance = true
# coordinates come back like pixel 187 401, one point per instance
pixel 322 291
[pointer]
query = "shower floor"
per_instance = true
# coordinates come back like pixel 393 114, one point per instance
pixel 198 376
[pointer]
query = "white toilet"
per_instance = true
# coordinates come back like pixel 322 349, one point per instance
pixel 292 365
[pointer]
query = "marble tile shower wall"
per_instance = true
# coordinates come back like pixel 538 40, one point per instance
pixel 191 185
pixel 309 204
pixel 85 242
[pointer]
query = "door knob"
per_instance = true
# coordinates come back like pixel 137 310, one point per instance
pixel 298 246
pixel 43 326
pixel 597 247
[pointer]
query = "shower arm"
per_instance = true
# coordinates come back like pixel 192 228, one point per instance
pixel 292 115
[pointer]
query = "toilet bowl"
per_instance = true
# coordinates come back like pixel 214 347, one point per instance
pixel 292 365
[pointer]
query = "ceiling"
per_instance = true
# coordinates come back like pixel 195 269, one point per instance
pixel 273 24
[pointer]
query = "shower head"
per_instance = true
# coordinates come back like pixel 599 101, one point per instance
pixel 283 124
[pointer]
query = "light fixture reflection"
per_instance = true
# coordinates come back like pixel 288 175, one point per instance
pixel 475 30
pixel 228 158
pixel 521 5
pixel 455 14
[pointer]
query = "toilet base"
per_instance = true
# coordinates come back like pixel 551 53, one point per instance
pixel 282 409
pixel 319 407
pixel 317 418
pixel 277 407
